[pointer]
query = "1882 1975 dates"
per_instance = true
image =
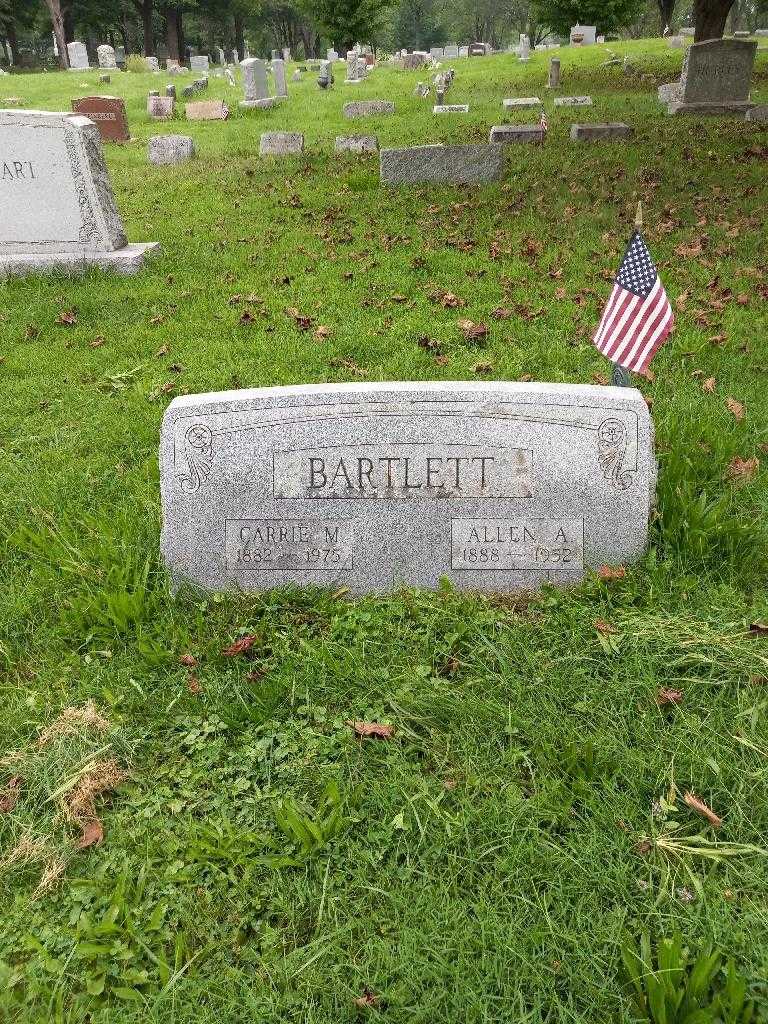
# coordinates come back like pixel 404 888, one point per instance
pixel 289 544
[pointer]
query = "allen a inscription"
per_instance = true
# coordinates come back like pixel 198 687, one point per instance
pixel 497 486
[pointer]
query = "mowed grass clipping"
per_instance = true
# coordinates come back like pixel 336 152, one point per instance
pixel 191 828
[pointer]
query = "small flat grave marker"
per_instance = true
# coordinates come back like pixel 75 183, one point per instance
pixel 107 113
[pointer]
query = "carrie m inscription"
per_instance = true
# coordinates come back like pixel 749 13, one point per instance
pixel 496 486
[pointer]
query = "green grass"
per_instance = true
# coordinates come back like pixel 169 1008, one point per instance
pixel 486 863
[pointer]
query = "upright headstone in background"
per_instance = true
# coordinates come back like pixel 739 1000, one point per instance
pixel 120 56
pixel 525 47
pixel 199 62
pixel 221 55
pixel 325 76
pixel 160 108
pixel 716 78
pixel 477 50
pixel 463 51
pixel 281 88
pixel 235 57
pixel 107 113
pixel 494 486
pixel 78 56
pixel 436 52
pixel 451 52
pixel 105 55
pixel 583 35
pixel 153 64
pixel 286 54
pixel 554 73
pixel 256 91
pixel 353 68
pixel 58 207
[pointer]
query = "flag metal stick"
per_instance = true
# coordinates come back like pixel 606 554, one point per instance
pixel 621 378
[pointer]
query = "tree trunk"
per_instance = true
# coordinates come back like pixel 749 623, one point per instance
pixel 709 18
pixel 172 31
pixel 149 35
pixel 13 42
pixel 666 9
pixel 57 20
pixel 69 24
pixel 239 36
pixel 180 42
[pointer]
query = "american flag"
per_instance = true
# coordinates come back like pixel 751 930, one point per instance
pixel 637 317
pixel 543 124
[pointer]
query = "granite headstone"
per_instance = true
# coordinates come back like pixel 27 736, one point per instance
pixel 494 486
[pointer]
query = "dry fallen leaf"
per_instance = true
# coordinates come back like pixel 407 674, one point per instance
pixel 322 332
pixel 92 835
pixel 736 408
pixel 708 385
pixel 375 729
pixel 67 317
pixel 367 999
pixel 241 646
pixel 96 343
pixel 611 572
pixel 698 805
pixel 10 795
pixel 605 627
pixel 668 695
pixel 193 684
pixel 188 659
pixel 741 471
pixel 473 331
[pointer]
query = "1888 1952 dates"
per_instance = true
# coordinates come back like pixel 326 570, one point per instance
pixel 517 544
pixel 301 544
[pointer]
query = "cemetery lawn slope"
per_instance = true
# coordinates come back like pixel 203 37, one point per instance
pixel 212 833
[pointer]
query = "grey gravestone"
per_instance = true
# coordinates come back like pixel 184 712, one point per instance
pixel 450 108
pixel 120 55
pixel 525 48
pixel 221 55
pixel 463 51
pixel 160 108
pixel 325 77
pixel 58 207
pixel 198 62
pixel 436 52
pixel 356 144
pixel 510 133
pixel 104 79
pixel 675 42
pixel 521 102
pixel 170 90
pixel 368 108
pixel 421 90
pixel 278 69
pixel 170 149
pixel 255 86
pixel 758 113
pixel 281 143
pixel 583 35
pixel 573 101
pixel 554 73
pixel 105 55
pixel 78 56
pixel 332 55
pixel 595 132
pixel 495 486
pixel 188 91
pixel 229 77
pixel 461 165
pixel 296 76
pixel 451 52
pixel 153 64
pixel 669 92
pixel 716 78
